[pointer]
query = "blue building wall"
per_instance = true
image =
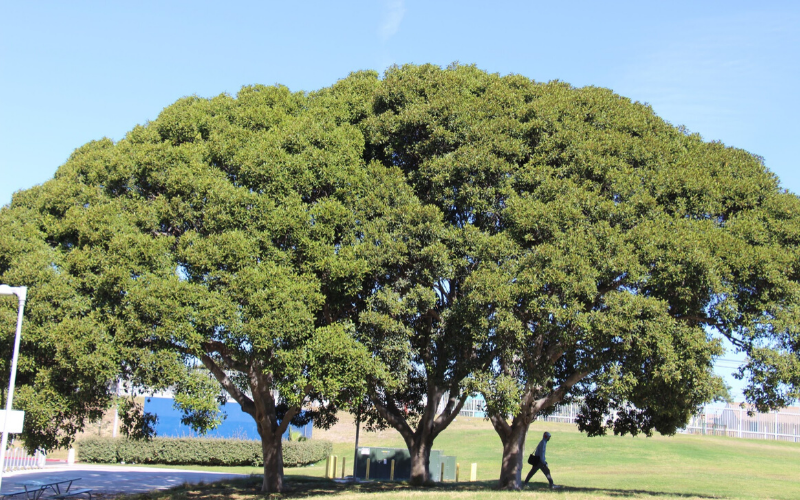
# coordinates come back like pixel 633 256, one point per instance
pixel 237 424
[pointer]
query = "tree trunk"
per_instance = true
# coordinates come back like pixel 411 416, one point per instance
pixel 420 451
pixel 513 451
pixel 272 449
pixel 513 436
pixel 420 441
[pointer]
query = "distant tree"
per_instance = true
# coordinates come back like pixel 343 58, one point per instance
pixel 604 252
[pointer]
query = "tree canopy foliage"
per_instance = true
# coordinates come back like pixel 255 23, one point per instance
pixel 222 233
pixel 416 238
pixel 606 251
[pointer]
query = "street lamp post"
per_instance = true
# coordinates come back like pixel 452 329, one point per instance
pixel 21 292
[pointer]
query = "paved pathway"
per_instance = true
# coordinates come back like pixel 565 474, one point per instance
pixel 110 479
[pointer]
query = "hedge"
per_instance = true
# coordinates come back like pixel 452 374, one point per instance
pixel 197 451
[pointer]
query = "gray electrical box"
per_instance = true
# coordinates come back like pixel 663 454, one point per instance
pixel 380 464
pixel 449 468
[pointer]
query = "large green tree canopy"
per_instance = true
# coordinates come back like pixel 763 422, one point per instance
pixel 427 234
pixel 606 251
pixel 223 233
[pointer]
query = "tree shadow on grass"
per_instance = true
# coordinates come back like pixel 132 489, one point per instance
pixel 303 486
pixel 310 487
pixel 616 492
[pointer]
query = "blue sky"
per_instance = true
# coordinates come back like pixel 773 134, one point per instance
pixel 71 72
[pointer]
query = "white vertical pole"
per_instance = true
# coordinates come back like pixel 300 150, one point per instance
pixel 776 425
pixel 741 410
pixel 116 413
pixel 21 292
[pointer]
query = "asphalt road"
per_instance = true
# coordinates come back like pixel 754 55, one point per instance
pixel 108 479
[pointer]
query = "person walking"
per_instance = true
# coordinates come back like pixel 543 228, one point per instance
pixel 538 461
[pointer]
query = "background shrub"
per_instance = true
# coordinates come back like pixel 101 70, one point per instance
pixel 197 451
pixel 297 453
pixel 97 450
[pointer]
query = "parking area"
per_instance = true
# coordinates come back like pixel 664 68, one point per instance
pixel 110 480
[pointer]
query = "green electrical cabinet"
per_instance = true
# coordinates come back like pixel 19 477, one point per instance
pixel 380 464
pixel 449 468
pixel 435 466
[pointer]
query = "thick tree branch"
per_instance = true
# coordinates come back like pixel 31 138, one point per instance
pixel 226 354
pixel 501 426
pixel 293 411
pixel 392 414
pixel 245 402
pixel 558 394
pixel 450 412
pixel 554 352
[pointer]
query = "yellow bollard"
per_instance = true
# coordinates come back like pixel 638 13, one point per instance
pixel 344 461
pixel 333 469
pixel 458 467
pixel 328 467
pixel 391 472
pixel 366 476
pixel 441 475
pixel 473 473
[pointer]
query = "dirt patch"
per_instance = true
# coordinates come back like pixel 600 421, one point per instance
pixel 344 431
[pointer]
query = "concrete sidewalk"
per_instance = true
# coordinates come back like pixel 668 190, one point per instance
pixel 107 480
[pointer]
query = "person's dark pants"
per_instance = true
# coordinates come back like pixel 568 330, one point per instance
pixel 545 470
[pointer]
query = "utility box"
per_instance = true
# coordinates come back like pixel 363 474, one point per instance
pixel 449 468
pixel 435 466
pixel 380 464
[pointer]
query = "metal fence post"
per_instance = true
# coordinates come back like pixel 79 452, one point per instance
pixel 740 421
pixel 776 426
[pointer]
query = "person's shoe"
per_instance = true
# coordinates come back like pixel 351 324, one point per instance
pixel 555 487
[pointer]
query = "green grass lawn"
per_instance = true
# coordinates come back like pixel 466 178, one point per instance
pixel 682 466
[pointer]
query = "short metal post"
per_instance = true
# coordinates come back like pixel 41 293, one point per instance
pixel 458 466
pixel 344 461
pixel 441 474
pixel 391 472
pixel 366 476
pixel 473 473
